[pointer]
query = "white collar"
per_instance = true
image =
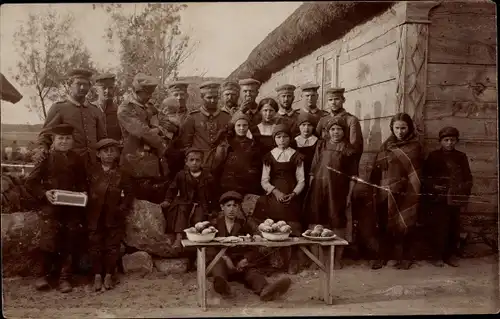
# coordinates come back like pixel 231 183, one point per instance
pixel 303 142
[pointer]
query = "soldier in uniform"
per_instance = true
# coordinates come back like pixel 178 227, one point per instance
pixel 230 92
pixel 250 91
pixel 286 114
pixel 178 90
pixel 205 128
pixel 76 111
pixel 310 96
pixel 134 116
pixel 105 85
pixel 335 101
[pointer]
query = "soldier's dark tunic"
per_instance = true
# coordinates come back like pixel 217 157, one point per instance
pixel 134 119
pixel 289 119
pixel 106 214
pixel 62 226
pixel 254 115
pixel 354 133
pixel 203 130
pixel 85 118
pixel 109 112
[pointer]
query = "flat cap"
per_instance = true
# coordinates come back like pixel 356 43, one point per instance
pixel 286 88
pixel 106 142
pixel 80 73
pixel 339 91
pixel 209 86
pixel 231 195
pixel 177 86
pixel 230 86
pixel 105 76
pixel 142 81
pixel 249 82
pixel 193 150
pixel 309 87
pixel 448 131
pixel 62 129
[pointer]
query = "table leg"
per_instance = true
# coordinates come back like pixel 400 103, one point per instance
pixel 202 278
pixel 330 269
pixel 322 273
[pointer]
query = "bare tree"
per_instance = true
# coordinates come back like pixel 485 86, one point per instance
pixel 150 41
pixel 47 49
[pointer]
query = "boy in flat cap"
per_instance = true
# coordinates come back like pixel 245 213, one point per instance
pixel 75 110
pixel 249 107
pixel 188 197
pixel 310 96
pixel 230 92
pixel 335 103
pixel 61 169
pixel 110 200
pixel 286 114
pixel 105 85
pixel 448 180
pixel 239 264
pixel 205 127
pixel 139 135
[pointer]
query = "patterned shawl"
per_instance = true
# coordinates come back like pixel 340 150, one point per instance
pixel 397 170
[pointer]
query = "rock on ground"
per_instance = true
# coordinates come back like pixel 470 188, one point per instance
pixel 138 262
pixel 20 244
pixel 145 230
pixel 171 265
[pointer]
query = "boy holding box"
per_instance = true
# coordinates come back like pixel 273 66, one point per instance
pixel 61 169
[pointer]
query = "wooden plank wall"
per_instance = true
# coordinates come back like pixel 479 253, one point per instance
pixel 462 91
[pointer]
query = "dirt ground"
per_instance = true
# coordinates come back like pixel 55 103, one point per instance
pixel 424 289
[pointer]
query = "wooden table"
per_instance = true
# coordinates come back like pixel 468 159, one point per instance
pixel 325 261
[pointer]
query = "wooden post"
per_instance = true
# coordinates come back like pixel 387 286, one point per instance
pixel 412 52
pixel 202 278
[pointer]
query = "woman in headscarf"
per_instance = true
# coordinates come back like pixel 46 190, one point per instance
pixel 240 169
pixel 396 172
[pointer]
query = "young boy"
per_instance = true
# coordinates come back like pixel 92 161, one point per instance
pixel 449 181
pixel 110 201
pixel 187 200
pixel 60 169
pixel 238 265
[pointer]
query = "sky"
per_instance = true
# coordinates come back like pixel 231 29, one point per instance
pixel 224 33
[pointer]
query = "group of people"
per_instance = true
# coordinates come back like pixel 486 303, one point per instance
pixel 303 163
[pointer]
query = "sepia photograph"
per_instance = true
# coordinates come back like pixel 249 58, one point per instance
pixel 249 159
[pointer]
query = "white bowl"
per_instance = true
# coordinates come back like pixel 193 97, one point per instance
pixel 201 238
pixel 275 236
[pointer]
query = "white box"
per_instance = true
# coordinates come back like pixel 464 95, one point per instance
pixel 68 198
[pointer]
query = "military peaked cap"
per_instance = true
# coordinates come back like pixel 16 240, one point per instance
pixel 230 86
pixel 286 88
pixel 249 82
pixel 142 81
pixel 209 86
pixel 177 86
pixel 80 73
pixel 62 129
pixel 310 87
pixel 338 91
pixel 105 76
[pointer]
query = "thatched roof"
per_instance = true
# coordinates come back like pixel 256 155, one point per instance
pixel 311 26
pixel 8 92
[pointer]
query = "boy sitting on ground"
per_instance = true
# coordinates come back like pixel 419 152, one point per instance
pixel 238 265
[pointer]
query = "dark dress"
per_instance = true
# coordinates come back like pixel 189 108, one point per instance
pixel 308 153
pixel 184 191
pixel 327 195
pixel 106 214
pixel 241 171
pixel 282 176
pixel 265 142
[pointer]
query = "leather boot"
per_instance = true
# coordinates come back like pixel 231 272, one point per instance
pixel 108 282
pixel 97 282
pixel 275 289
pixel 65 286
pixel 42 284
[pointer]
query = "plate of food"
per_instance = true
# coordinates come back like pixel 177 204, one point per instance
pixel 319 233
pixel 202 232
pixel 272 231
